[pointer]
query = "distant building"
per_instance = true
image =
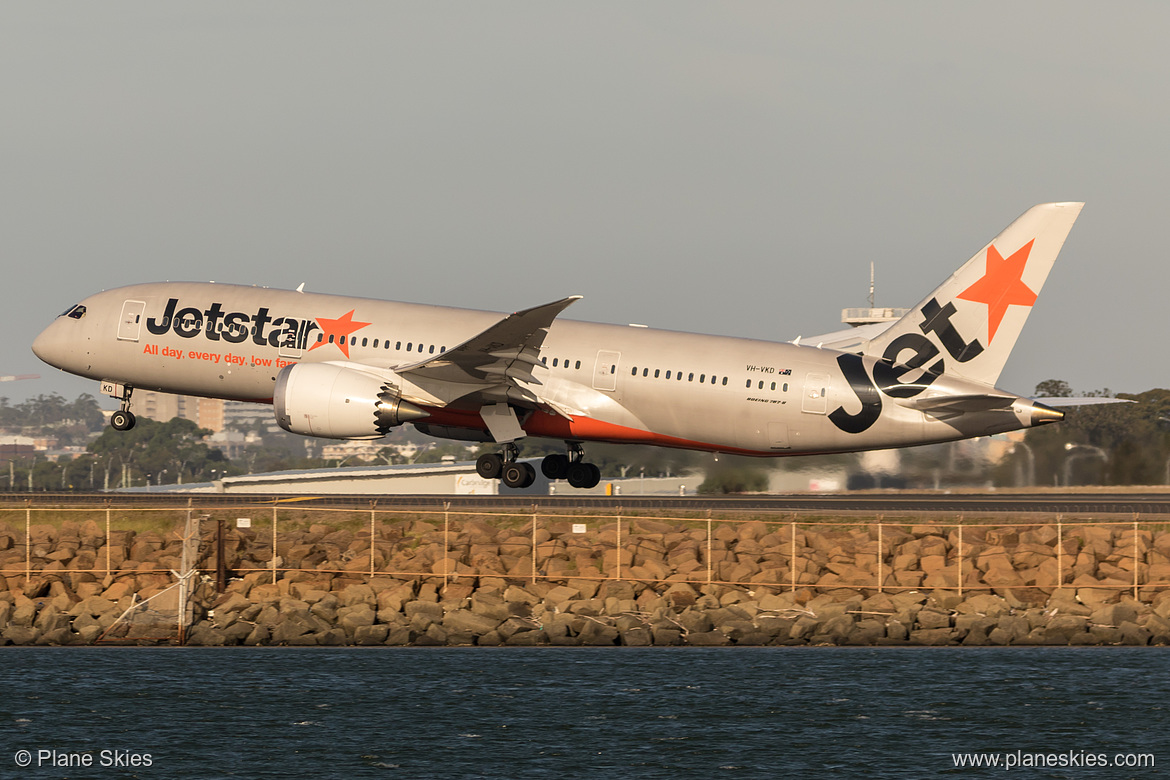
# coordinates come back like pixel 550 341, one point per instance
pixel 215 414
pixel 240 415
pixel 204 412
pixel 16 447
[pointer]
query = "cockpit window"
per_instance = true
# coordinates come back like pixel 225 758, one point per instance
pixel 74 312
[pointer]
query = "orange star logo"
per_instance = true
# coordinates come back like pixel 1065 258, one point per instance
pixel 337 331
pixel 1002 285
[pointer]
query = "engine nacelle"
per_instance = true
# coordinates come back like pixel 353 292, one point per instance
pixel 335 402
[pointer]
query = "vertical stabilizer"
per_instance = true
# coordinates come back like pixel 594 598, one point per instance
pixel 975 316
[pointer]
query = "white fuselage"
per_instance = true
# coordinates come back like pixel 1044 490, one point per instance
pixel 621 383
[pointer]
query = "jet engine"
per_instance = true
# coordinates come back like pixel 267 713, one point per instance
pixel 336 402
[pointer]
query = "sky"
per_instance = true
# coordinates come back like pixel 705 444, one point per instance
pixel 728 168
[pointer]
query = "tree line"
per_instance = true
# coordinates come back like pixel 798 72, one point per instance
pixel 1113 444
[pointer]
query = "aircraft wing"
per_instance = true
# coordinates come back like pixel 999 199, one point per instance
pixel 496 363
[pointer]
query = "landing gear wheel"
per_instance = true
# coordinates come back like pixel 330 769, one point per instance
pixel 583 475
pixel 122 420
pixel 489 465
pixel 555 466
pixel 518 475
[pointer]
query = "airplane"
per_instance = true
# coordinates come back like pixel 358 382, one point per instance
pixel 354 368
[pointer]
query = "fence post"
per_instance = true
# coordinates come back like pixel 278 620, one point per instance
pixel 710 565
pixel 28 540
pixel 618 551
pixel 879 556
pixel 447 541
pixel 108 567
pixel 1135 558
pixel 220 563
pixel 792 560
pixel 534 544
pixel 1059 552
pixel 960 560
pixel 373 509
pixel 274 542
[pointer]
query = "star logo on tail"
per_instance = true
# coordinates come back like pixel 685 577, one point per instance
pixel 1001 286
pixel 337 331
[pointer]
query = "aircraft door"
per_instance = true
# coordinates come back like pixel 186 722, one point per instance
pixel 292 340
pixel 816 394
pixel 778 436
pixel 130 324
pixel 605 370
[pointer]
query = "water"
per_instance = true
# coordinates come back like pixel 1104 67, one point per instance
pixel 579 712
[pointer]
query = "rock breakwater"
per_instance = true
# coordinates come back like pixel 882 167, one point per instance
pixel 635 582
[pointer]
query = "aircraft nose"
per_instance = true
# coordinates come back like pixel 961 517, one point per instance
pixel 50 346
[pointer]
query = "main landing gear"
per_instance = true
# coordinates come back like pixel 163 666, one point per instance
pixel 514 474
pixel 123 419
pixel 504 467
pixel 572 467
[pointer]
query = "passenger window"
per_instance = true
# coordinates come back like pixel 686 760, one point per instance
pixel 578 366
pixel 431 350
pixel 365 342
pixel 398 345
pixel 409 344
pixel 555 362
pixel 786 387
pixel 690 377
pixel 375 343
pixel 773 385
pixel 724 381
pixel 645 371
pixel 330 338
pixel 749 384
pixel 634 371
pixel 668 375
pixel 656 373
pixel 702 378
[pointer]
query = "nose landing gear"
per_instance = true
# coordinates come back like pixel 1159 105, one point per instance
pixel 123 419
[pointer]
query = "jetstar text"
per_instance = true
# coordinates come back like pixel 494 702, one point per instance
pixel 234 327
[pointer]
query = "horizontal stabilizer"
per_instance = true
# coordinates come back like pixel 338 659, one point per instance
pixel 1060 402
pixel 954 405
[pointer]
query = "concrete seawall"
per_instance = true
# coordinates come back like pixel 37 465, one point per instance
pixel 634 582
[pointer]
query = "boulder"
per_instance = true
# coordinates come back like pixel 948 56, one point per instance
pixel 640 636
pixel 932 636
pixel 467 621
pixel 714 638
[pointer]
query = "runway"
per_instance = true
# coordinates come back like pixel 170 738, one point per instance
pixel 1054 502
